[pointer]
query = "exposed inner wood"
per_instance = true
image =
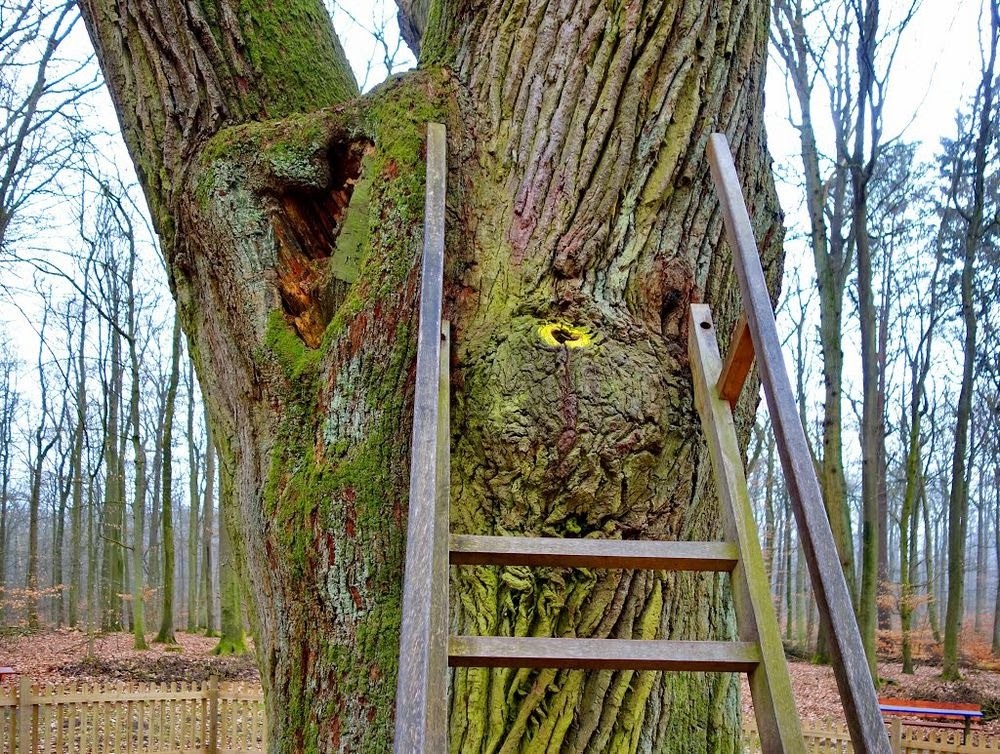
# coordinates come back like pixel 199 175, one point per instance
pixel 306 223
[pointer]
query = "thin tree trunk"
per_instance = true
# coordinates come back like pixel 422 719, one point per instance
pixel 8 409
pixel 995 646
pixel 793 619
pixel 166 632
pixel 113 510
pixel 769 534
pixel 929 567
pixel 77 470
pixel 972 238
pixel 65 483
pixel 42 446
pixel 208 527
pixel 153 554
pixel 139 453
pixel 93 594
pixel 979 600
pixel 194 497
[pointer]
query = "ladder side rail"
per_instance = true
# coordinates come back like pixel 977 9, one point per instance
pixel 836 611
pixel 423 632
pixel 440 578
pixel 770 685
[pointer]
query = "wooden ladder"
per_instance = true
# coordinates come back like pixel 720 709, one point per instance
pixel 427 650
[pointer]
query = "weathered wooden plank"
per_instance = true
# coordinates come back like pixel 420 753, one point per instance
pixel 437 706
pixel 467 549
pixel 601 654
pixel 420 724
pixel 836 611
pixel 739 360
pixel 770 685
pixel 25 744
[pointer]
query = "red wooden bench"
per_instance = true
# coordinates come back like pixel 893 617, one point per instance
pixel 923 711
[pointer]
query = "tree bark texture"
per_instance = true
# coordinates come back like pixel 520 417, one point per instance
pixel 579 204
pixel 232 638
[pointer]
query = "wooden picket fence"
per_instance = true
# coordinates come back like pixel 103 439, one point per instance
pixel 169 718
pixel 228 718
pixel 833 738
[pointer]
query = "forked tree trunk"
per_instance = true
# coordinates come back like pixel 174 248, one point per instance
pixel 579 198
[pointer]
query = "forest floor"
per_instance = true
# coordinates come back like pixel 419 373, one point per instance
pixel 62 656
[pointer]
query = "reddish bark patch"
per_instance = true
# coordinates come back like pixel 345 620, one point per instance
pixel 350 514
pixel 356 596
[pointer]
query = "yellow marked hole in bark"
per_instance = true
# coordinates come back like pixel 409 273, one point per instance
pixel 561 334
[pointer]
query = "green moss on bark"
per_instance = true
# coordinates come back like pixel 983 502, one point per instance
pixel 301 64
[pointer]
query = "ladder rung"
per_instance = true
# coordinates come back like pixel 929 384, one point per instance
pixel 467 549
pixel 602 654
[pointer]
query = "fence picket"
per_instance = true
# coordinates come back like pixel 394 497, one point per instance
pixel 210 718
pixel 830 737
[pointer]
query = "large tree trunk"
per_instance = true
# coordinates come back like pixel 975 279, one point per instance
pixel 579 197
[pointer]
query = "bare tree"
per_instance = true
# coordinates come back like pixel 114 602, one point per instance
pixel 9 407
pixel 166 632
pixel 965 166
pixel 41 129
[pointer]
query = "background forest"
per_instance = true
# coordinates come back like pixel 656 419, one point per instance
pixel 111 513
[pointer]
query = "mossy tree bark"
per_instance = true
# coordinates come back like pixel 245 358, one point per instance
pixel 232 639
pixel 290 211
